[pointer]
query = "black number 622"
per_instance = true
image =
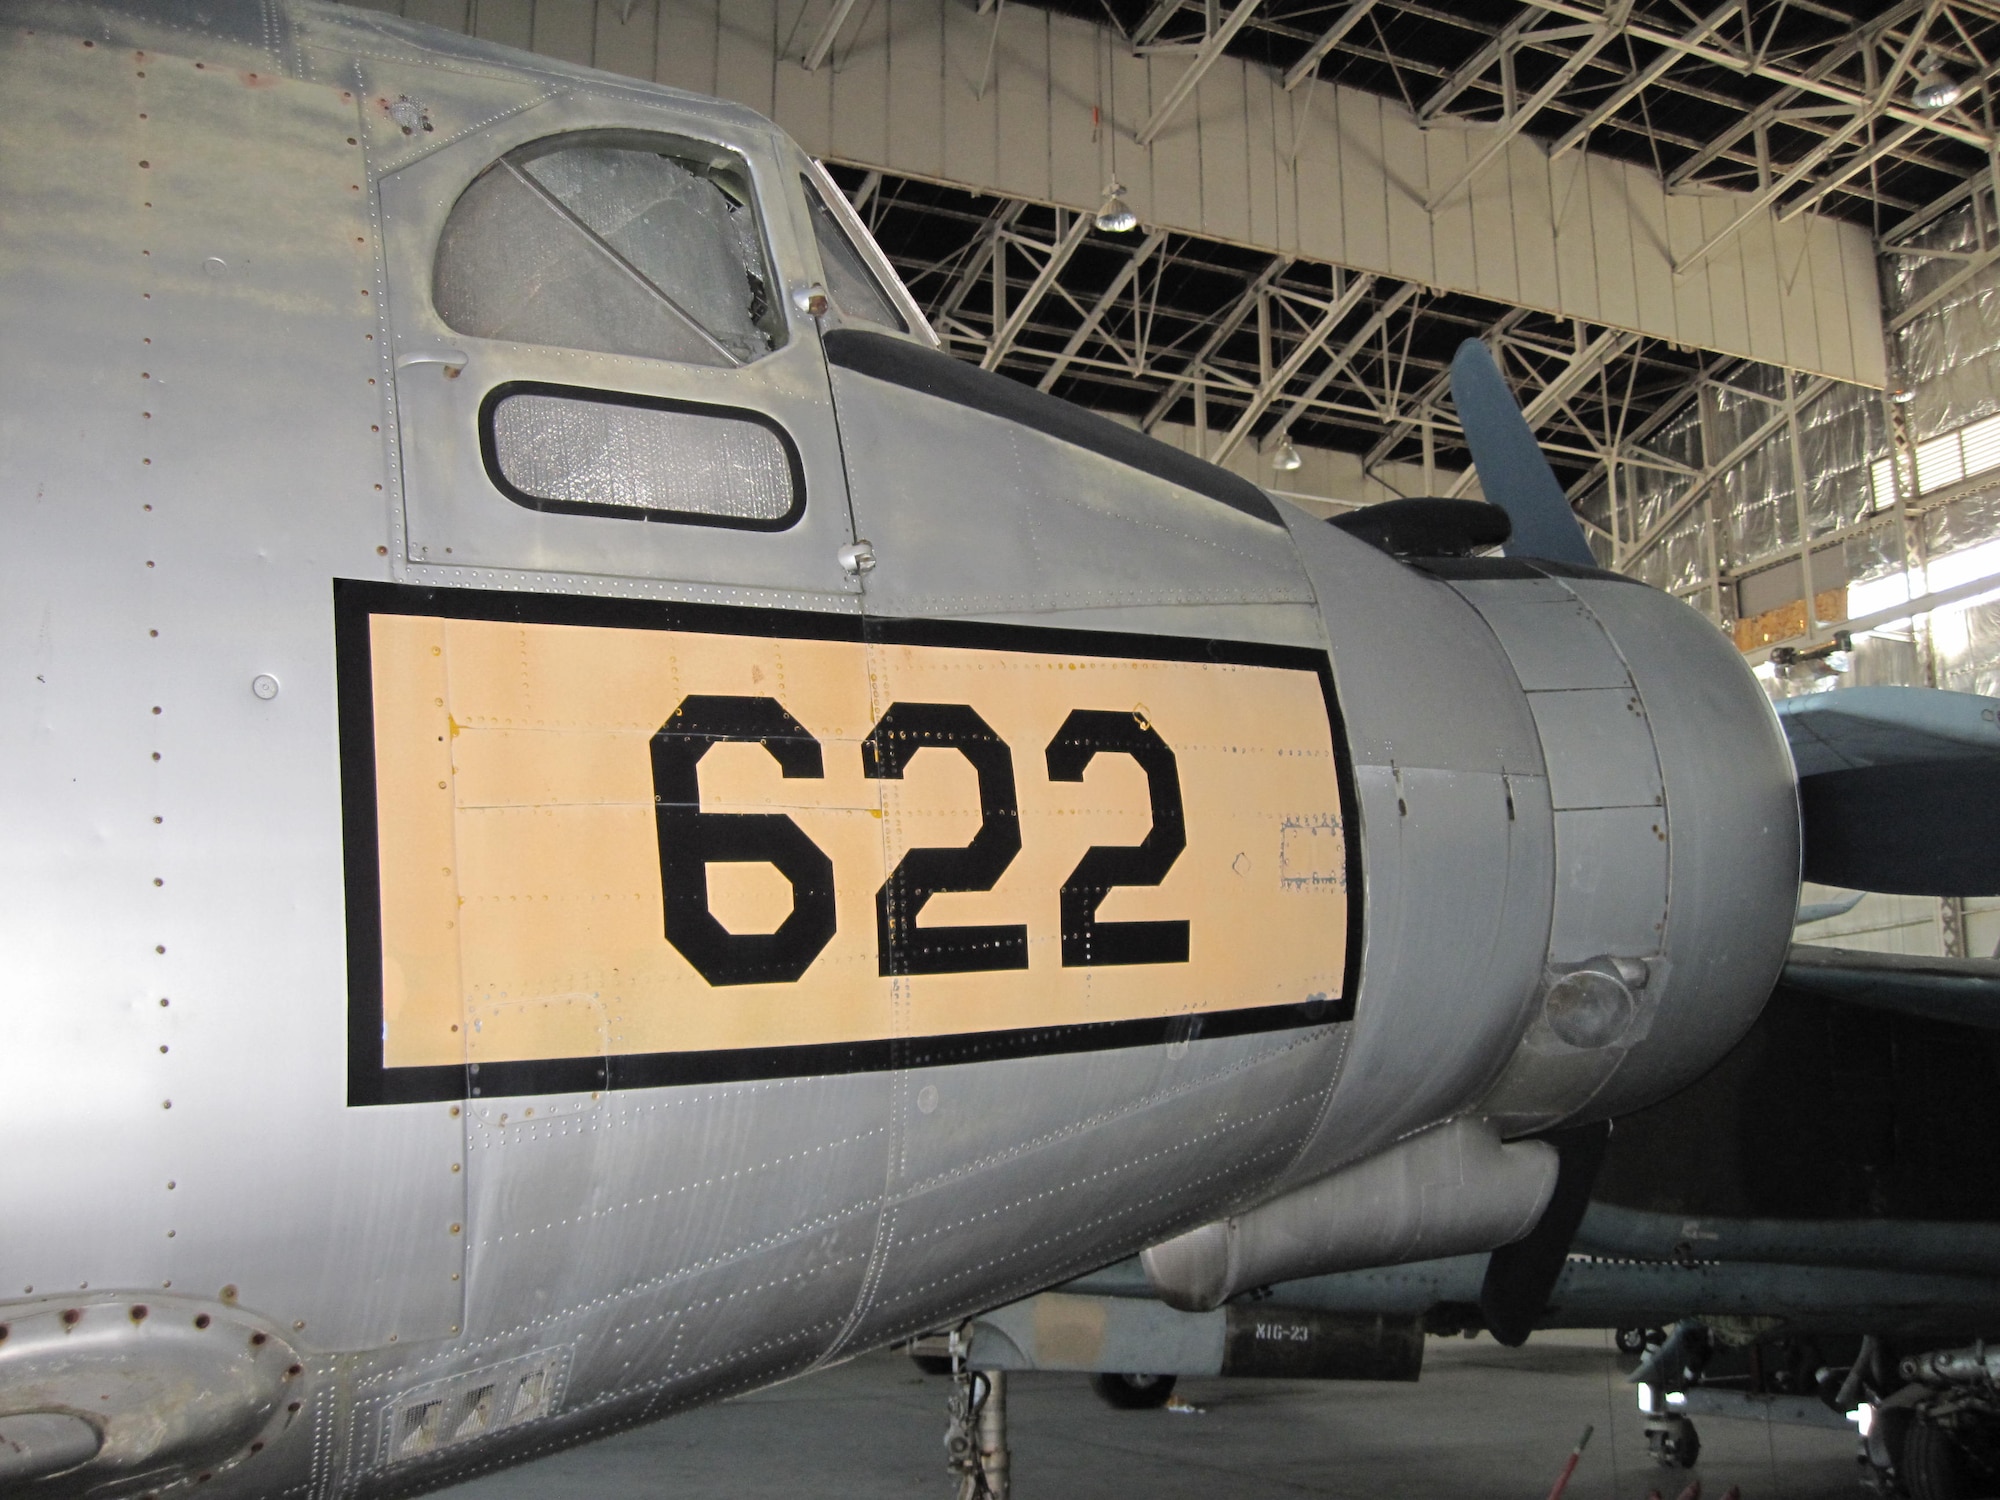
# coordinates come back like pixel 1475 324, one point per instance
pixel 690 840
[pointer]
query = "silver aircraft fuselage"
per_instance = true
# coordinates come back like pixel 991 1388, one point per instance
pixel 503 944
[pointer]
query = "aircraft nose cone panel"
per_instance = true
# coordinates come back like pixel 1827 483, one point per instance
pixel 1676 842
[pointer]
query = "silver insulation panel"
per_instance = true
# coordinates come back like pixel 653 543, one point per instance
pixel 598 453
pixel 621 251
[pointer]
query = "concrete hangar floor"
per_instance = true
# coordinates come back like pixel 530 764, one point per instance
pixel 1484 1423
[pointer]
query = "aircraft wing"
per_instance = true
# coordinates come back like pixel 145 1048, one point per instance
pixel 1888 726
pixel 1899 789
pixel 1964 990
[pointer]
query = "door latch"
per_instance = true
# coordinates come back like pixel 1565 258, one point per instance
pixel 453 360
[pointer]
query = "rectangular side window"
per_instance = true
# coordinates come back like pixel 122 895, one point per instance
pixel 561 448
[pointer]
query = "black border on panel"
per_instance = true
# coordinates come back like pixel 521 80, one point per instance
pixel 370 1083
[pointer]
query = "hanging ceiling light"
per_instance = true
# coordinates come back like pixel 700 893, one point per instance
pixel 1936 89
pixel 1116 217
pixel 1286 459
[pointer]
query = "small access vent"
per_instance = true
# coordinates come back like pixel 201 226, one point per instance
pixel 448 1412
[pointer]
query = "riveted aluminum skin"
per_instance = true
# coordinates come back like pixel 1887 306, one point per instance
pixel 1457 843
pixel 230 389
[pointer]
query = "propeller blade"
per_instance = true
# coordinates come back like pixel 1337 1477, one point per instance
pixel 1520 1277
pixel 1512 471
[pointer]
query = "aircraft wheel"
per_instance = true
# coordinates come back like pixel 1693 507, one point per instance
pixel 1631 1340
pixel 1673 1442
pixel 1133 1392
pixel 1934 1465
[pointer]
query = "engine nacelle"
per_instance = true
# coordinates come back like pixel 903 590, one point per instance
pixel 1579 824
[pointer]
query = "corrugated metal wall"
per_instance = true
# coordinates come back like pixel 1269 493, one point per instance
pixel 1907 494
pixel 1932 467
pixel 1756 503
pixel 1329 173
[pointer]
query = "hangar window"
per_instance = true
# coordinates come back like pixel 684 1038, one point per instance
pixel 853 289
pixel 616 241
pixel 561 448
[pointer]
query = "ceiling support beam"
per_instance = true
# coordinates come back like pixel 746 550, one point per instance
pixel 1803 167
pixel 1106 300
pixel 1859 162
pixel 1888 145
pixel 1630 450
pixel 1643 79
pixel 1517 120
pixel 1315 339
pixel 1425 404
pixel 981 257
pixel 1944 289
pixel 1892 240
pixel 1772 109
pixel 828 34
pixel 1765 196
pixel 1816 80
pixel 1783 108
pixel 1468 72
pixel 1155 22
pixel 1377 321
pixel 1225 327
pixel 1209 55
pixel 1333 36
pixel 1070 240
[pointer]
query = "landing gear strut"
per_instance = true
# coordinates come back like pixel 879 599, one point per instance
pixel 975 1444
pixel 1671 1440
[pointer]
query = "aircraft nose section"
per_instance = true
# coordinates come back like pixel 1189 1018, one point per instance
pixel 1676 844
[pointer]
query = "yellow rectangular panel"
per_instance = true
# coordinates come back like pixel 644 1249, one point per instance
pixel 606 840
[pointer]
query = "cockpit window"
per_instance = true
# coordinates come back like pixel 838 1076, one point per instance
pixel 856 295
pixel 620 242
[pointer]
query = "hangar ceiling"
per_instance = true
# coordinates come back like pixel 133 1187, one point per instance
pixel 1807 102
pixel 1798 107
pixel 1246 346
